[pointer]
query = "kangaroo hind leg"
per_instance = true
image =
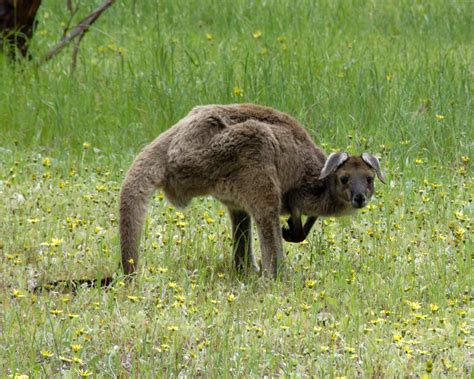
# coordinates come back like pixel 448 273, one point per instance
pixel 242 239
pixel 262 200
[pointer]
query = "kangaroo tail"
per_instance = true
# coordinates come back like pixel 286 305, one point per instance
pixel 140 183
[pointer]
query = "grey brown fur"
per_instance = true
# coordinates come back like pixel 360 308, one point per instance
pixel 257 161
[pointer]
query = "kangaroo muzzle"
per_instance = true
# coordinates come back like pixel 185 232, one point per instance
pixel 359 200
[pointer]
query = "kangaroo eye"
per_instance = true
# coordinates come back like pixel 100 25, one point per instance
pixel 344 179
pixel 370 179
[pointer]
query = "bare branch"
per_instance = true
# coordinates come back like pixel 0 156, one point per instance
pixel 79 30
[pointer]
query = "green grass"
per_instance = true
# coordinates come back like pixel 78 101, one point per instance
pixel 386 293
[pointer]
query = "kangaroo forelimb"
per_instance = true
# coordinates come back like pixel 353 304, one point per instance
pixel 295 231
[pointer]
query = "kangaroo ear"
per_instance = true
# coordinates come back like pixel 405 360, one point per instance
pixel 332 163
pixel 373 162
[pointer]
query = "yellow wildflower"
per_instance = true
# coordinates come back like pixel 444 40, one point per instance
pixel 459 233
pixel 397 338
pixel 17 294
pixel 460 216
pixel 414 305
pixel 350 350
pixel 76 360
pixel 238 92
pixel 434 308
pixel 55 242
pixel 76 347
pixel 46 354
pixel 210 220
pixel 408 351
pixel 310 283
pixel 133 299
pixel 429 366
pixel 305 307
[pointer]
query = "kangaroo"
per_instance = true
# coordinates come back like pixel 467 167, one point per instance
pixel 260 163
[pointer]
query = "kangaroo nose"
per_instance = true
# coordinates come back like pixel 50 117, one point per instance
pixel 359 201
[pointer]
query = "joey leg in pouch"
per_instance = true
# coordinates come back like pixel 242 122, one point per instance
pixel 296 231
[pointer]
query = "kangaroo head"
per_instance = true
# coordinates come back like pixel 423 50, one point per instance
pixel 351 179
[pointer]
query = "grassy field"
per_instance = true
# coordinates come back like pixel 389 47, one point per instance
pixel 386 293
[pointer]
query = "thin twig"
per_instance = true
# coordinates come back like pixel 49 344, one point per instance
pixel 73 11
pixel 75 52
pixel 79 30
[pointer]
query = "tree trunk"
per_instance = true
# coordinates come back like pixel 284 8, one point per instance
pixel 17 20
